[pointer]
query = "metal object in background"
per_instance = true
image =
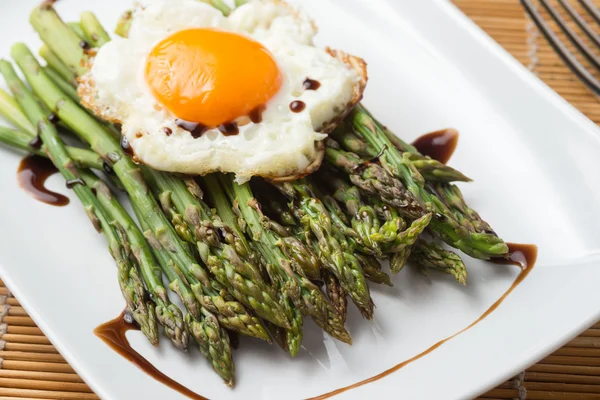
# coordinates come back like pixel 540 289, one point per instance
pixel 565 25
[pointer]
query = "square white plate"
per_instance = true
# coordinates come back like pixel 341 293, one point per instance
pixel 536 165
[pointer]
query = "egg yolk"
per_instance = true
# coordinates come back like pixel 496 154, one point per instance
pixel 211 77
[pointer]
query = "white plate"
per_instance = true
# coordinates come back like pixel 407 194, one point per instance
pixel 536 165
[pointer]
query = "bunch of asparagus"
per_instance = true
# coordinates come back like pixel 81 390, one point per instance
pixel 255 258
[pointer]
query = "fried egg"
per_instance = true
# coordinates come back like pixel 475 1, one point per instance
pixel 197 92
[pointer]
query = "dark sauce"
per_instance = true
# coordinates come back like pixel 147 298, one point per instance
pixel 256 114
pixel 84 45
pixel 195 129
pixel 53 118
pixel 229 129
pixel 310 84
pixel 523 255
pixel 439 145
pixel 297 106
pixel 74 182
pixel 167 131
pixel 32 174
pixel 126 146
pixel 108 169
pixel 36 143
pixel 113 334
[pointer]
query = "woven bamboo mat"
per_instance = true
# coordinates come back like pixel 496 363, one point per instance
pixel 31 368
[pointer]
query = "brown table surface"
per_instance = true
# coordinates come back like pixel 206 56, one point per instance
pixel 31 368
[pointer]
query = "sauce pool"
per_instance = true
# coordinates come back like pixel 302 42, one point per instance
pixel 32 174
pixel 113 334
pixel 439 145
pixel 521 255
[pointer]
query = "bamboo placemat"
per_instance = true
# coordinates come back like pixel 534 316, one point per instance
pixel 31 368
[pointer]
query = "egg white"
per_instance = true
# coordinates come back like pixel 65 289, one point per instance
pixel 283 144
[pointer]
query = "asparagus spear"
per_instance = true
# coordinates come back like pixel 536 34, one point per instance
pixel 373 271
pixel 167 313
pixel 432 170
pixel 209 293
pixel 57 65
pixel 22 140
pixel 201 324
pixel 453 198
pixel 65 86
pixel 124 24
pixel 432 256
pixel 337 295
pixel 129 279
pixel 333 248
pixel 76 27
pixel 278 267
pixel 93 30
pixel 231 268
pixel 444 224
pixel 313 303
pixel 374 180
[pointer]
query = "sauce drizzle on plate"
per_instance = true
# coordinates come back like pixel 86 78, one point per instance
pixel 439 145
pixel 113 334
pixel 32 174
pixel 521 255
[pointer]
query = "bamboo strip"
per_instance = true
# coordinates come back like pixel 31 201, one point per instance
pixel 566 369
pixel 17 311
pixel 563 387
pixel 584 341
pixel 43 376
pixel 545 395
pixel 26 356
pixel 12 301
pixel 21 321
pixel 34 348
pixel 566 378
pixel 46 394
pixel 569 360
pixel 33 339
pixel 20 398
pixel 23 330
pixel 43 385
pixel 37 366
pixel 577 352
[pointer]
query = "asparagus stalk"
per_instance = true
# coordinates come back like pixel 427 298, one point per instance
pixel 57 65
pixel 231 268
pixel 374 180
pixel 373 270
pixel 432 256
pixel 76 27
pixel 93 30
pixel 313 303
pixel 278 267
pixel 167 313
pixel 432 170
pixel 65 86
pixel 10 109
pixel 201 324
pixel 124 24
pixel 453 198
pixel 209 293
pixel 129 279
pixel 444 224
pixel 22 140
pixel 337 295
pixel 333 248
